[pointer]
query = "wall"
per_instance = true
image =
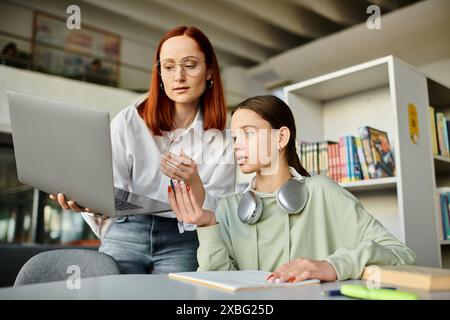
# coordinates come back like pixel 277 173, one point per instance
pixel 53 87
pixel 16 17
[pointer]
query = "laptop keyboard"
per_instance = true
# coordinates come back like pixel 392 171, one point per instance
pixel 123 205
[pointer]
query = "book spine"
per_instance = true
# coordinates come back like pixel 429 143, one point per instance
pixel 365 140
pixel 433 133
pixel 343 159
pixel 441 224
pixel 350 164
pixel 447 147
pixel 362 159
pixel 338 163
pixel 447 216
pixel 440 130
pixel 356 162
pixel 330 161
pixel 320 167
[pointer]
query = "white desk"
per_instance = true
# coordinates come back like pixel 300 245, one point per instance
pixel 160 287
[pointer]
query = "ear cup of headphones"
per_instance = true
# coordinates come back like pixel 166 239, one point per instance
pixel 250 208
pixel 292 196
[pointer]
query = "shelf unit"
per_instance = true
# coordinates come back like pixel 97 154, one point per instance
pixel 377 94
pixel 439 99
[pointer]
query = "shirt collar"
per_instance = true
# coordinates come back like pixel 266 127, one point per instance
pixel 251 185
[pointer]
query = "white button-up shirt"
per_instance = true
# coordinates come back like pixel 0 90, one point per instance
pixel 137 153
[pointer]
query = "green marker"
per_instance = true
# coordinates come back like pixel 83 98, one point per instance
pixel 362 292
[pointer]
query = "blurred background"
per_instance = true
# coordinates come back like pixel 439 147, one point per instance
pixel 262 46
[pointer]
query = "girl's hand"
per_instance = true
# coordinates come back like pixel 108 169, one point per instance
pixel 180 168
pixel 303 269
pixel 184 169
pixel 184 203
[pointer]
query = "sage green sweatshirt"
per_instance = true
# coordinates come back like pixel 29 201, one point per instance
pixel 334 226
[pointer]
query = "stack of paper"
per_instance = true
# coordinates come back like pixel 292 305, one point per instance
pixel 235 280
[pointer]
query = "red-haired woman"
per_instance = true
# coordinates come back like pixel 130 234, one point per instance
pixel 176 133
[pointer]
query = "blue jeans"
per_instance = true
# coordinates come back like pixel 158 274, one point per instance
pixel 151 244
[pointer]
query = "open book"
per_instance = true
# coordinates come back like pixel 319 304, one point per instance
pixel 235 280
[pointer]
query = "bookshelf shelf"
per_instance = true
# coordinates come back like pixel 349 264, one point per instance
pixel 441 164
pixel 445 242
pixel 379 94
pixel 371 185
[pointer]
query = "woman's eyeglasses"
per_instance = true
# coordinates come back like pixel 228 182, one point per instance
pixel 190 66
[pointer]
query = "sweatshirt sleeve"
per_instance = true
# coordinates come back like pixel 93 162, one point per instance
pixel 376 245
pixel 215 251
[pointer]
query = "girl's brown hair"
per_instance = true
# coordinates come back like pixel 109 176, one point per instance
pixel 157 110
pixel 278 114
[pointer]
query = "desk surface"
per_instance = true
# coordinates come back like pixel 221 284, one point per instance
pixel 160 287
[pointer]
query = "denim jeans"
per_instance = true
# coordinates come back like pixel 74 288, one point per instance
pixel 151 244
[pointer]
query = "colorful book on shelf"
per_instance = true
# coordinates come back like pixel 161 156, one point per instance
pixel 348 152
pixel 362 159
pixel 378 152
pixel 235 280
pixel 433 133
pixel 343 160
pixel 444 211
pixel 441 230
pixel 356 166
pixel 416 277
pixel 441 128
pixel 447 130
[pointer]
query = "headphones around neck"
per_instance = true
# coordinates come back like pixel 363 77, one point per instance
pixel 291 197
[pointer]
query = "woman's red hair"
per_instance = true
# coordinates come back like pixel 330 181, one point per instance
pixel 157 111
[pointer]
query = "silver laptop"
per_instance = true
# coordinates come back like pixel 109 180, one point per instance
pixel 61 147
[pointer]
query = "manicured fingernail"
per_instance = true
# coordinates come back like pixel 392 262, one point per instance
pixel 169 189
pixel 188 188
pixel 277 280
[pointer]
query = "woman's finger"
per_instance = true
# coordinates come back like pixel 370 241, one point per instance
pixel 178 170
pixel 186 159
pixel 62 201
pixel 74 206
pixel 187 199
pixel 194 202
pixel 169 172
pixel 173 202
pixel 180 201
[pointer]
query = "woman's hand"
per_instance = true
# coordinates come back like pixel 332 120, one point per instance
pixel 69 205
pixel 184 203
pixel 184 169
pixel 303 269
pixel 179 167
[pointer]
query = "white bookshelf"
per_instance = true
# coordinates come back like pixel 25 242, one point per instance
pixel 377 94
pixel 371 185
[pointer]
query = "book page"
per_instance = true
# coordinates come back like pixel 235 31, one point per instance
pixel 235 280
